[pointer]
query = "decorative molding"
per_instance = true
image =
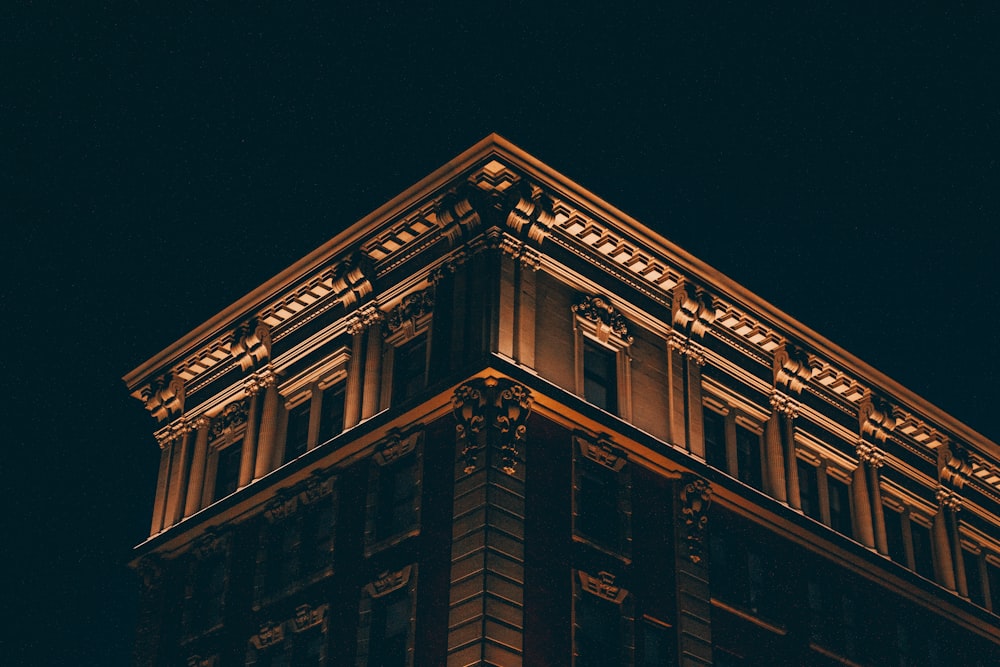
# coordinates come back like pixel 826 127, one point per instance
pixel 396 446
pixel 782 404
pixel 388 581
pixel 505 406
pixel 351 283
pixel 198 661
pixel 288 500
pixel 413 307
pixel 530 211
pixel 365 317
pixel 870 454
pixel 602 452
pixel 164 398
pixel 875 417
pixel 598 310
pixel 251 344
pixel 948 499
pixel 954 466
pixel 456 215
pixel 603 586
pixel 270 633
pixel 692 311
pixel 150 571
pixel 211 543
pixel 792 368
pixel 307 617
pixel 232 417
pixel 695 499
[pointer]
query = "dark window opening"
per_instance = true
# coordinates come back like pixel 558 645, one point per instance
pixel 597 505
pixel 715 439
pixel 748 460
pixel 657 646
pixel 390 625
pixel 331 421
pixel 993 578
pixel 397 489
pixel 227 472
pixel 297 438
pixel 973 578
pixel 840 506
pixel 409 364
pixel 809 490
pixel 600 377
pixel 599 632
pixel 894 535
pixel 923 559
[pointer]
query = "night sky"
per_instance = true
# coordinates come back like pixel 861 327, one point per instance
pixel 154 167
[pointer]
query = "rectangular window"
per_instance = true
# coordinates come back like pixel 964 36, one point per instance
pixel 748 460
pixel 600 377
pixel 397 487
pixel 715 439
pixel 210 584
pixel 923 559
pixel 993 577
pixel 297 438
pixel 409 369
pixel 597 506
pixel 894 535
pixel 973 577
pixel 227 472
pixel 598 632
pixel 331 422
pixel 832 616
pixel 385 631
pixel 743 574
pixel 809 490
pixel 297 543
pixel 840 506
pixel 657 644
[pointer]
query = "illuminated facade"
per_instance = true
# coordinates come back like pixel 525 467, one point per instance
pixel 499 422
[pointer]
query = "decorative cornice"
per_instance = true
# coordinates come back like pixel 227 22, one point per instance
pixel 351 283
pixel 792 370
pixel 598 310
pixel 456 215
pixel 602 585
pixel 251 344
pixel 875 417
pixel 530 211
pixel 164 398
pixel 388 581
pixel 954 466
pixel 693 310
pixel 695 499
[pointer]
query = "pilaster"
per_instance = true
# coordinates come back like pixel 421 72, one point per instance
pixel 694 600
pixel 264 462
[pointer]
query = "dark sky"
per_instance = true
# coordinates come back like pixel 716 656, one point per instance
pixel 155 165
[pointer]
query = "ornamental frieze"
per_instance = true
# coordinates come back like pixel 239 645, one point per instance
pixel 598 310
pixel 231 418
pixel 413 306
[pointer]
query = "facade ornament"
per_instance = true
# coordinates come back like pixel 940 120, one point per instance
pixel 782 404
pixel 150 571
pixel 603 452
pixel 448 267
pixel 212 542
pixel 692 311
pixel 598 310
pixel 500 404
pixel 389 581
pixel 457 215
pixel 875 417
pixel 396 446
pixel 198 661
pixel 307 617
pixel 686 347
pixel 696 498
pixel 269 634
pixel 603 586
pixel 350 282
pixel 792 369
pixel 954 465
pixel 870 454
pixel 287 501
pixel 530 211
pixel 413 306
pixel 163 398
pixel 948 499
pixel 251 344
pixel 231 418
pixel 364 318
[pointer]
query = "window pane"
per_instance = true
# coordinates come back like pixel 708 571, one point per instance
pixel 993 576
pixel 748 460
pixel 922 556
pixel 809 490
pixel 597 505
pixel 840 506
pixel 332 412
pixel 600 379
pixel 409 374
pixel 715 439
pixel 227 473
pixel 973 577
pixel 657 646
pixel 389 630
pixel 599 635
pixel 397 486
pixel 894 535
pixel 297 439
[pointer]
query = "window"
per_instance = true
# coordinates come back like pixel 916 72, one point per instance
pixel 748 457
pixel 602 622
pixel 744 573
pixel 923 558
pixel 809 490
pixel 715 439
pixel 385 633
pixel 205 585
pixel 657 644
pixel 894 535
pixel 600 379
pixel 993 578
pixel 833 615
pixel 393 511
pixel 409 369
pixel 974 577
pixel 331 421
pixel 296 642
pixel 297 438
pixel 227 471
pixel 840 506
pixel 297 538
pixel 601 498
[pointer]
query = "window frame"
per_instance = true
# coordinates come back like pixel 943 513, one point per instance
pixel 593 457
pixel 384 586
pixel 601 335
pixel 398 449
pixel 311 386
pixel 601 588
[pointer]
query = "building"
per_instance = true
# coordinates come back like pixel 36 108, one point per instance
pixel 499 422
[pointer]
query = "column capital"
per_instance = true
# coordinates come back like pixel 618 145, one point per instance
pixel 363 318
pixel 870 454
pixel 783 404
pixel 947 498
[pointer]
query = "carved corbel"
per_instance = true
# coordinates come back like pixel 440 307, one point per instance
pixel 693 310
pixel 351 283
pixel 251 344
pixel 307 617
pixel 792 369
pixel 396 446
pixel 695 499
pixel 605 317
pixel 530 211
pixel 499 403
pixel 875 417
pixel 163 398
pixel 602 452
pixel 270 633
pixel 954 465
pixel 457 215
